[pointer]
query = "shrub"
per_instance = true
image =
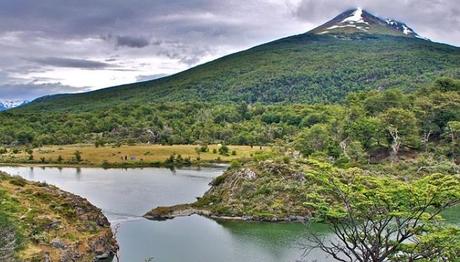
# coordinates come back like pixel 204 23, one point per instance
pixel 223 150
pixel 77 155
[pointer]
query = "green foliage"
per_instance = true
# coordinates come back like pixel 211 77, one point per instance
pixel 447 84
pixel 380 122
pixel 403 215
pixel 224 150
pixel 315 139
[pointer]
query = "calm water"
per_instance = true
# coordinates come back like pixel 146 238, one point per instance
pixel 125 195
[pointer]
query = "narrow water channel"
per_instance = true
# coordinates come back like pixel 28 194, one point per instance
pixel 124 195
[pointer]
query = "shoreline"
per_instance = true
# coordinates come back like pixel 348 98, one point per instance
pixel 117 165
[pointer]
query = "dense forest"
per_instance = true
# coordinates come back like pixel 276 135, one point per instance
pixel 366 125
pixel 306 68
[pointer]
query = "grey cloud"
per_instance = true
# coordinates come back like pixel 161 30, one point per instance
pixel 30 91
pixel 161 34
pixel 129 41
pixel 70 62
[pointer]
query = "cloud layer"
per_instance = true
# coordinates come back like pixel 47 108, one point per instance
pixel 49 47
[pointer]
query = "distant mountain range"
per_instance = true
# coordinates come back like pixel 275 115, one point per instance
pixel 355 51
pixel 10 103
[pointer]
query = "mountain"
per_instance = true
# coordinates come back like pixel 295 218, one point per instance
pixel 361 21
pixel 8 104
pixel 355 51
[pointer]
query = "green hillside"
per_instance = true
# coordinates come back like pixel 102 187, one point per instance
pixel 305 68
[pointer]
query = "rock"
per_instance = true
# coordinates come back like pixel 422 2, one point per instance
pixel 297 218
pixel 248 174
pixel 298 177
pixel 70 255
pixel 57 243
pixel 163 213
pixel 102 257
pixel 46 258
pixel 54 224
pixel 247 218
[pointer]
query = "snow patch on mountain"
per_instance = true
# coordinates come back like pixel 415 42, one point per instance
pixel 359 20
pixel 6 104
pixel 342 26
pixel 401 27
pixel 356 17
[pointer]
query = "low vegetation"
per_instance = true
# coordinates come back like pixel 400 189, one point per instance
pixel 39 222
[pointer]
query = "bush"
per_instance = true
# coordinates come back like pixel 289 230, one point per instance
pixel 17 181
pixel 77 155
pixel 223 150
pixel 235 164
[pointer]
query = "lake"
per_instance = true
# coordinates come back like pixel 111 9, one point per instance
pixel 124 195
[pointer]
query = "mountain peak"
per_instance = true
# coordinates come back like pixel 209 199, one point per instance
pixel 358 20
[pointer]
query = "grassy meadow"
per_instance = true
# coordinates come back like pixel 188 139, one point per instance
pixel 126 154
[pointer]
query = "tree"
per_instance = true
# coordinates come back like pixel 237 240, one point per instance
pixel 366 130
pixel 356 152
pixel 454 130
pixel 382 219
pixel 401 127
pixel 447 84
pixel 425 110
pixel 314 139
pixel 77 155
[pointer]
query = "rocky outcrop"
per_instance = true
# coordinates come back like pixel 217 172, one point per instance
pixel 65 227
pixel 264 191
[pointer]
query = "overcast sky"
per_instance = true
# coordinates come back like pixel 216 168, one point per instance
pixel 60 46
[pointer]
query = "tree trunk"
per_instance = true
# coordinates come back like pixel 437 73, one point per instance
pixel 396 143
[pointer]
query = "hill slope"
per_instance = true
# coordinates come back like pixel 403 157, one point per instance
pixel 311 67
pixel 39 222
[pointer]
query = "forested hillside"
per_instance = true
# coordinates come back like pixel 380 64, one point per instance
pixel 306 68
pixel 366 125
